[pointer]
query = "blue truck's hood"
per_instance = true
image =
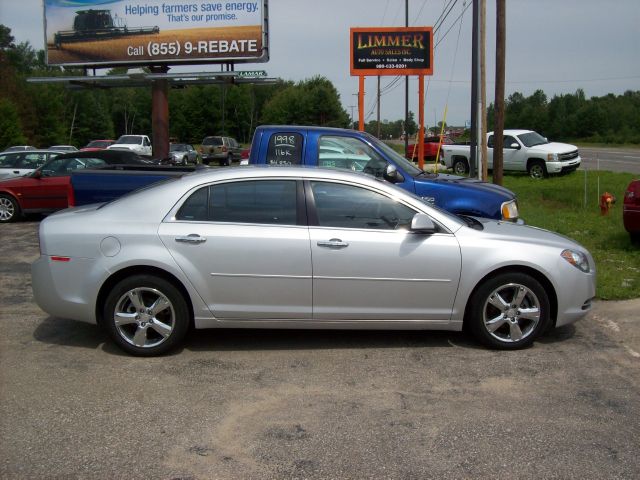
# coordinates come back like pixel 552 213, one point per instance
pixel 466 182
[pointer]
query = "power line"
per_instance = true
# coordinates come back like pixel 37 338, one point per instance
pixel 452 25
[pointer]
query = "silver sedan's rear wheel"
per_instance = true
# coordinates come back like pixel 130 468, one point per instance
pixel 509 311
pixel 146 315
pixel 9 209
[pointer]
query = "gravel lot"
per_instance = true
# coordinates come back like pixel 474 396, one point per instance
pixel 317 405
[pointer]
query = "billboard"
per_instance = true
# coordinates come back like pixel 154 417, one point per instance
pixel 141 32
pixel 392 51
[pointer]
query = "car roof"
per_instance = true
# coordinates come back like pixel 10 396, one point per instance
pixel 164 194
pixel 514 132
pixel 39 150
pixel 109 156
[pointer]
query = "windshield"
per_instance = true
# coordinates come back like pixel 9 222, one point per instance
pixel 532 139
pixel 129 139
pixel 402 162
pixel 177 147
pixel 212 141
pixel 99 144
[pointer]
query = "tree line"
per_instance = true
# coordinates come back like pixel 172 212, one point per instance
pixel 607 119
pixel 45 114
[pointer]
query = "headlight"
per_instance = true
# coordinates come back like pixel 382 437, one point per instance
pixel 552 157
pixel 577 259
pixel 510 211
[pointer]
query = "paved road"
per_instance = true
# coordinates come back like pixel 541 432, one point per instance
pixel 314 405
pixel 611 159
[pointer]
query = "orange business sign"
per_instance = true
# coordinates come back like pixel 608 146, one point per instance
pixel 392 51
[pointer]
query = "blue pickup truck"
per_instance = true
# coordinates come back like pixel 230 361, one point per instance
pixel 320 147
pixel 359 151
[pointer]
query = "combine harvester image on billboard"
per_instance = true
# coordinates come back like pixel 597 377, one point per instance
pixel 97 25
pixel 101 33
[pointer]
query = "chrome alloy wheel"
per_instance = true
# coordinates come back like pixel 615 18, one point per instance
pixel 144 317
pixel 7 209
pixel 511 313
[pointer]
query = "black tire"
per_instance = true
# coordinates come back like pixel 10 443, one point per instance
pixel 537 169
pixel 496 311
pixel 185 160
pixel 229 160
pixel 9 209
pixel 144 330
pixel 460 167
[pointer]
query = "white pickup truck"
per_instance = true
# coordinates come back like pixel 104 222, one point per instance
pixel 139 144
pixel 524 151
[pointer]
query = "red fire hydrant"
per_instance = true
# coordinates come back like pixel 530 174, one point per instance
pixel 606 200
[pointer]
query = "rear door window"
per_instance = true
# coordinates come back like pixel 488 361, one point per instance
pixel 285 149
pixel 9 160
pixel 255 201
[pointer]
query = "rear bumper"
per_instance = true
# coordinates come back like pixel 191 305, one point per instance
pixel 61 288
pixel 631 219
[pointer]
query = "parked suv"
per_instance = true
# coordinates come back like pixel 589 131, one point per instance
pixel 224 150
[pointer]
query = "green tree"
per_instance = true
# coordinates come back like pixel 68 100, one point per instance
pixel 310 102
pixel 10 129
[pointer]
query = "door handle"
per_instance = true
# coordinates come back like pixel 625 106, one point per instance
pixel 16 172
pixel 333 243
pixel 191 238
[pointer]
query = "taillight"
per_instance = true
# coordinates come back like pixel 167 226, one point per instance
pixel 224 149
pixel 632 195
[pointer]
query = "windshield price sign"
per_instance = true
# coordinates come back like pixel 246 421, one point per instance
pixel 392 51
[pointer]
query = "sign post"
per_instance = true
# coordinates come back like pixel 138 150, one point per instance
pixel 361 103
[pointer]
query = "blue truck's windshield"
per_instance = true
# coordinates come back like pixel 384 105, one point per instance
pixel 402 162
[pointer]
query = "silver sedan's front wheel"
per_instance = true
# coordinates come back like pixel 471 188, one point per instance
pixel 509 311
pixel 146 315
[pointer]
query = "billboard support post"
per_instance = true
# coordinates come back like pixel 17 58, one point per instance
pixel 361 103
pixel 160 114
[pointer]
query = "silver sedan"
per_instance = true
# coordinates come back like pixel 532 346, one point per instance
pixel 302 248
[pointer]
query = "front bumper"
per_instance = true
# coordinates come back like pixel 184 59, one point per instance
pixel 564 167
pixel 575 293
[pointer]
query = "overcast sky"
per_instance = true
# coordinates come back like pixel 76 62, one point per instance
pixel 554 45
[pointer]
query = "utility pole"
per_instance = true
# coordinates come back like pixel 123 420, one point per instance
pixel 475 74
pixel 483 94
pixel 498 124
pixel 352 107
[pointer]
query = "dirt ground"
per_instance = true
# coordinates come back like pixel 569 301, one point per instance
pixel 314 405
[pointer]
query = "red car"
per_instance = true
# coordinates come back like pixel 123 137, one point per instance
pixel 94 145
pixel 631 210
pixel 47 188
pixel 430 148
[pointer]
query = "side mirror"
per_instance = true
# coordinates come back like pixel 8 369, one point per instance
pixel 422 223
pixel 391 174
pixel 515 146
pixel 37 174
